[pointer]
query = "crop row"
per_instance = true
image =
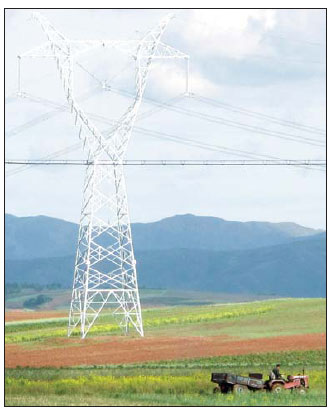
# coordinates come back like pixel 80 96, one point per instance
pixel 291 361
pixel 198 383
pixel 287 359
pixel 151 314
pixel 40 334
pixel 110 384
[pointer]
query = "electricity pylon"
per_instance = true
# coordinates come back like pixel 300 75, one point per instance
pixel 105 266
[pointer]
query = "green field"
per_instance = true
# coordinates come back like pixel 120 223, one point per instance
pixel 247 320
pixel 162 383
pixel 176 382
pixel 149 298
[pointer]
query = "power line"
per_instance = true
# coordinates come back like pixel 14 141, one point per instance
pixel 58 108
pixel 167 136
pixel 231 123
pixel 235 124
pixel 170 106
pixel 251 113
pixel 151 162
pixel 192 113
pixel 163 136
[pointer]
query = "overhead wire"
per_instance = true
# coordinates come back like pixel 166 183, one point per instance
pixel 246 112
pixel 58 108
pixel 50 156
pixel 170 162
pixel 220 120
pixel 238 125
pixel 252 128
pixel 181 139
pixel 207 146
pixel 174 138
pixel 152 133
pixel 169 105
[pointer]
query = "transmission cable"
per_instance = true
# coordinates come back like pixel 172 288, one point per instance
pixel 58 108
pixel 239 125
pixel 172 162
pixel 237 109
pixel 160 135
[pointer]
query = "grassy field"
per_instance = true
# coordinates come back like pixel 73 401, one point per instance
pixel 182 381
pixel 162 383
pixel 247 320
pixel 149 297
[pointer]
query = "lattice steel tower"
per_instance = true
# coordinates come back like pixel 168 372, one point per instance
pixel 105 267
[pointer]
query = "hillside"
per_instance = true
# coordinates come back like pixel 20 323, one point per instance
pixel 40 236
pixel 296 269
pixel 44 237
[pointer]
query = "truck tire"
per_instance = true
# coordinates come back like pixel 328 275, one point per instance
pixel 240 389
pixel 277 388
pixel 301 390
pixel 224 388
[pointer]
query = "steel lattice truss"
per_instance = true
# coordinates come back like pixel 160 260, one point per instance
pixel 105 267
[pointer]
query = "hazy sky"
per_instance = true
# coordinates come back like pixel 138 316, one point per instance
pixel 266 61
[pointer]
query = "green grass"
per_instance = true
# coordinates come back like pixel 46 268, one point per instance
pixel 193 390
pixel 212 314
pixel 185 383
pixel 149 297
pixel 252 399
pixel 242 320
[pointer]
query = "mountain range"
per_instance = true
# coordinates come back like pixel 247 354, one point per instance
pixel 182 252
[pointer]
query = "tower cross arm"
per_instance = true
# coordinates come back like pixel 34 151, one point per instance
pixel 59 44
pixel 129 47
pixel 164 51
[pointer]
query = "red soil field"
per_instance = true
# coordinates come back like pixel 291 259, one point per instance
pixel 117 350
pixel 17 315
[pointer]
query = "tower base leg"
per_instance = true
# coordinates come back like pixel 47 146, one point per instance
pixel 86 306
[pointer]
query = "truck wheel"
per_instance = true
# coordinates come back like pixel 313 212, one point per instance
pixel 277 388
pixel 240 389
pixel 301 390
pixel 217 389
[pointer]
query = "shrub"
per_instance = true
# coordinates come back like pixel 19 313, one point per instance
pixel 36 302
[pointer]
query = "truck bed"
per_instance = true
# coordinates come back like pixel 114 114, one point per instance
pixel 233 379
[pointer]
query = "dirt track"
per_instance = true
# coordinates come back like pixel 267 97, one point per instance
pixel 17 315
pixel 128 350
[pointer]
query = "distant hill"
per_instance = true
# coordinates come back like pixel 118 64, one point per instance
pixel 44 237
pixel 211 233
pixel 295 269
pixel 40 236
pixel 182 252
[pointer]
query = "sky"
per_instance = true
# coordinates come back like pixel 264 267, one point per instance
pixel 270 62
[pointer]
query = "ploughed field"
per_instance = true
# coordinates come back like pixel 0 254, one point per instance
pixel 173 363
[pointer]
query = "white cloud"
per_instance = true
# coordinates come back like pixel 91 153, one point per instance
pixel 169 79
pixel 234 33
